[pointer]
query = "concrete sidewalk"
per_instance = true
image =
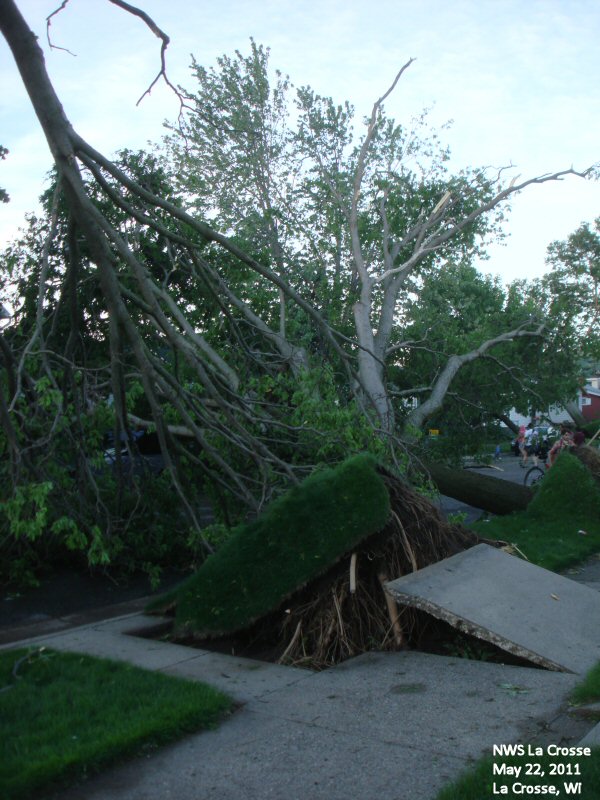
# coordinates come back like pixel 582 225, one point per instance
pixel 396 725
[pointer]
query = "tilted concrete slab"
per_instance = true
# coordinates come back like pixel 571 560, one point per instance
pixel 379 725
pixel 524 609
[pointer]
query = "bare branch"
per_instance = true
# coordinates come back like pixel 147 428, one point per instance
pixel 49 23
pixel 160 34
pixel 360 171
pixel 442 383
pixel 424 246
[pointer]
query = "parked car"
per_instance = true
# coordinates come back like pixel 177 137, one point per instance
pixel 141 457
pixel 544 433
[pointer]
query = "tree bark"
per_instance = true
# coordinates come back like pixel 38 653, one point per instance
pixel 508 422
pixel 370 369
pixel 481 491
pixel 417 418
pixel 574 412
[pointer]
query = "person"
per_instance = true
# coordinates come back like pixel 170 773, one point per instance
pixel 565 440
pixel 533 447
pixel 527 447
pixel 521 445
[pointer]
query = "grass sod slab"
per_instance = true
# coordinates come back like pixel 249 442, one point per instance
pixel 548 532
pixel 567 488
pixel 66 715
pixel 298 537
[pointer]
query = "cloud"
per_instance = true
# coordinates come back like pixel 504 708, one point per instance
pixel 519 79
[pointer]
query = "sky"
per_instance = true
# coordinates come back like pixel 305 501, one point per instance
pixel 519 79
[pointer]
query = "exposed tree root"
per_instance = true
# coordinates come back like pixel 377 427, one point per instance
pixel 326 622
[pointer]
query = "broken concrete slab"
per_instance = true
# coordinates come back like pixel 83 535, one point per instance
pixel 527 611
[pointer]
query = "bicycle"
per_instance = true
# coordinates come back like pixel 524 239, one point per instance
pixel 534 475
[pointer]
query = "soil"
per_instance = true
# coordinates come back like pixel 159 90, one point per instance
pixel 427 635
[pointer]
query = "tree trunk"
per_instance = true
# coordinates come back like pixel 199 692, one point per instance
pixel 508 422
pixel 573 410
pixel 370 369
pixel 481 491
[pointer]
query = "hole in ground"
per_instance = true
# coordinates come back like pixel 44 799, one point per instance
pixel 426 635
pixel 246 644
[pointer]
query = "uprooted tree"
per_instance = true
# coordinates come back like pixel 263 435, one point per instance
pixel 335 541
pixel 282 334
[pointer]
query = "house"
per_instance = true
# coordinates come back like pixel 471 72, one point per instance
pixel 588 402
pixel 589 399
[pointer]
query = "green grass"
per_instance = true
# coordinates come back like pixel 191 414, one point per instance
pixel 66 715
pixel 547 532
pixel 298 537
pixel 552 544
pixel 476 783
pixel 589 690
pixel 567 501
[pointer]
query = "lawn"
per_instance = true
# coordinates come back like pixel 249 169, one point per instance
pixel 552 544
pixel 64 715
pixel 476 784
pixel 561 526
pixel 550 534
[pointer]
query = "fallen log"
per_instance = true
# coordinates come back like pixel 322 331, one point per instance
pixel 480 491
